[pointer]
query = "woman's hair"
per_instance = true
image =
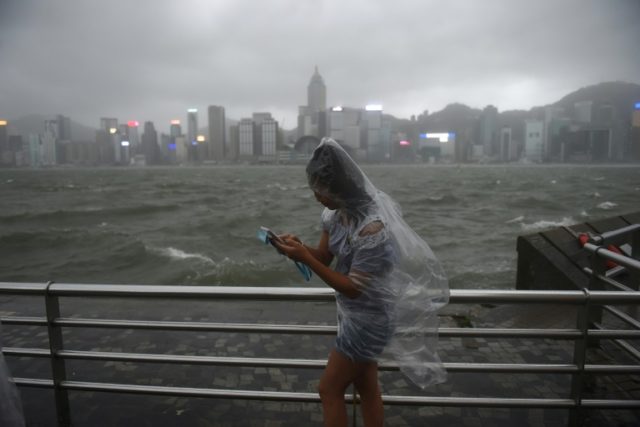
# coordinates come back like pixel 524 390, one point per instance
pixel 332 170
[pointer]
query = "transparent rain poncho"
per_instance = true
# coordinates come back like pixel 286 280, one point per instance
pixel 402 285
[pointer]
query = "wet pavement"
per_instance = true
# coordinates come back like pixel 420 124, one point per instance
pixel 110 409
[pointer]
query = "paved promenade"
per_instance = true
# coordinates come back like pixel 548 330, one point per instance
pixel 108 409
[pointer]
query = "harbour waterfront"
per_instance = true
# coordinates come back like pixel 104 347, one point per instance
pixel 197 225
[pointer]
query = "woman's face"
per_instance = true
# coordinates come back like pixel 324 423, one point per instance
pixel 325 200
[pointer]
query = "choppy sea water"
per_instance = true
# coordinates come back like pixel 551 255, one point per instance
pixel 197 226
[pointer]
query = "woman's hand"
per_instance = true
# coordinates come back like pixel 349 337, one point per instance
pixel 288 236
pixel 294 249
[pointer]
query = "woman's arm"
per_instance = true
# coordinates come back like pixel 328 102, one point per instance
pixel 299 252
pixel 321 253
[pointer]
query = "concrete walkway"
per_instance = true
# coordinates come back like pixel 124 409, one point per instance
pixel 107 409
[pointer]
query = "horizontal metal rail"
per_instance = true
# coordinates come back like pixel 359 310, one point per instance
pixel 199 326
pixel 582 300
pixel 27 321
pixel 476 402
pixel 548 333
pixel 613 256
pixel 457 296
pixel 608 236
pixel 309 363
pixel 289 363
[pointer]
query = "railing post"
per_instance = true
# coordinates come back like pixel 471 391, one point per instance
pixel 635 254
pixel 598 268
pixel 355 406
pixel 576 414
pixel 58 368
pixel 634 275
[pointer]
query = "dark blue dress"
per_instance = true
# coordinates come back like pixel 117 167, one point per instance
pixel 364 252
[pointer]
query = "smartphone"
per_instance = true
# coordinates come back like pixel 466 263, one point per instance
pixel 271 236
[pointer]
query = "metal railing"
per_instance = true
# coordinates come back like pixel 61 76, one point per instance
pixel 587 302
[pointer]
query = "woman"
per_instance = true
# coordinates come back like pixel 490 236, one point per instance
pixel 388 285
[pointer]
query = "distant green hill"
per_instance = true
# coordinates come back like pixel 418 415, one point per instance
pixel 34 124
pixel 457 116
pixel 621 95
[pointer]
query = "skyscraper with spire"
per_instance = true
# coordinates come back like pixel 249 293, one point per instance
pixel 316 93
pixel 310 116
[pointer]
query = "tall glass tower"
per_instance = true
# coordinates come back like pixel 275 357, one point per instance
pixel 316 94
pixel 192 125
pixel 217 133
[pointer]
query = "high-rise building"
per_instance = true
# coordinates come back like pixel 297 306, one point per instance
pixel 34 150
pixel 305 125
pixel 16 148
pixel 309 116
pixel 217 143
pixel 507 148
pixel 534 140
pixel 583 111
pixel 64 127
pixel 175 130
pixel 108 141
pixel 489 130
pixel 344 125
pixel 268 129
pixel 182 149
pixel 49 142
pixel 134 136
pixel 192 125
pixel 316 93
pixel 108 123
pixel 634 136
pixel 149 144
pixel 635 116
pixel 234 143
pixel 259 118
pixel 123 145
pixel 554 119
pixel 336 123
pixel 257 138
pixel 105 147
pixel 4 142
pixel 374 144
pixel 167 148
pixel 245 138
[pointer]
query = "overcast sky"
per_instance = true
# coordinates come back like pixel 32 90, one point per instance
pixel 153 59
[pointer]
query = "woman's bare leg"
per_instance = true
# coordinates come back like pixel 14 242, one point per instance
pixel 370 399
pixel 339 373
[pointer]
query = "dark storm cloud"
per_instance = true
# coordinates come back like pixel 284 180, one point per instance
pixel 153 59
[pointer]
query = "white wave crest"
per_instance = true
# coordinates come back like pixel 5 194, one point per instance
pixel 516 219
pixel 179 255
pixel 543 224
pixel 607 205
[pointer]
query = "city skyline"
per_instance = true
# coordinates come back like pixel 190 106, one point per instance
pixel 413 57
